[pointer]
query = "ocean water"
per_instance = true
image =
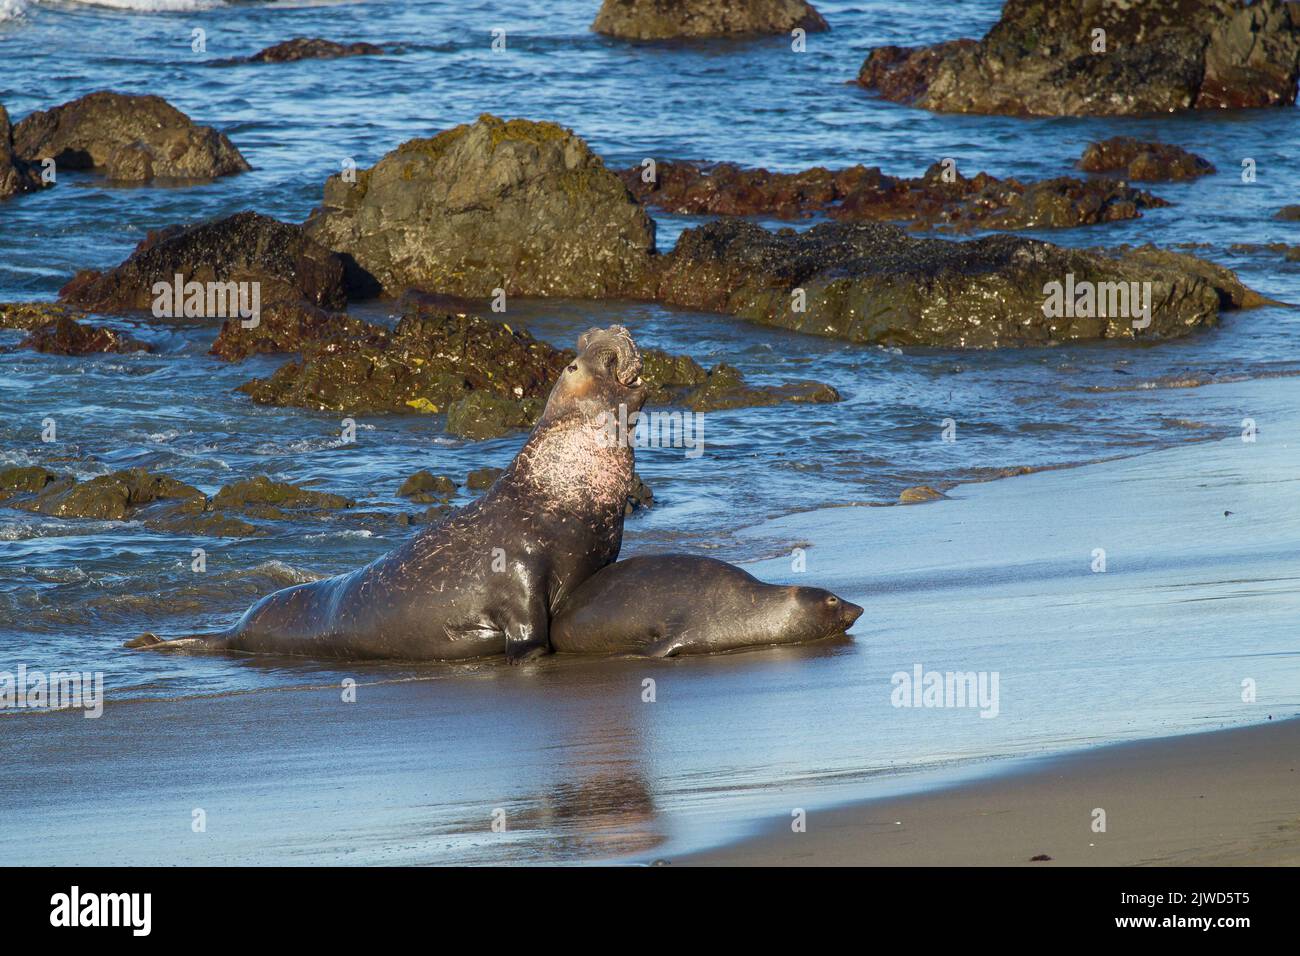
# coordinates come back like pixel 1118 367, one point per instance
pixel 71 591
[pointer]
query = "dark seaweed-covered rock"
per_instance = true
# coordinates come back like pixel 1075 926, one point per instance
pixel 481 478
pixel 128 138
pixel 16 175
pixel 312 48
pixel 640 497
pixel 32 315
pixel 668 19
pixel 1044 57
pixel 424 365
pixel 260 497
pixel 869 282
pixel 1288 214
pixel 515 205
pixel 287 326
pixel 24 481
pixel 488 378
pixel 162 503
pixel 244 248
pixel 949 202
pixel 65 336
pixel 113 497
pixel 482 415
pixel 1135 159
pixel 680 380
pixel 424 487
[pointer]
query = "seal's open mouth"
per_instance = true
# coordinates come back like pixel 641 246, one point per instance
pixel 615 343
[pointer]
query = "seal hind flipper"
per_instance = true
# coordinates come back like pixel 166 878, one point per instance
pixel 144 640
pixel 152 642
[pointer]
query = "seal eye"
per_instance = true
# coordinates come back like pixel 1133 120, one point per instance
pixel 573 367
pixel 832 600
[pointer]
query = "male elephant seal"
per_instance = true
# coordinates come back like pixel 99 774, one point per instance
pixel 486 579
pixel 666 604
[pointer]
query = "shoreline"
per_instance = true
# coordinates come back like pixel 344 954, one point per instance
pixel 1215 798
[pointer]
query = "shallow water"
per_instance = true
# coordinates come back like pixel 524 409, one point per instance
pixel 71 591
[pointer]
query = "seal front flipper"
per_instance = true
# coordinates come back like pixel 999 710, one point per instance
pixel 527 640
pixel 665 646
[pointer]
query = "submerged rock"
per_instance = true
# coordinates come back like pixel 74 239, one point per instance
pixel 1288 214
pixel 669 19
pixel 1046 57
pixel 873 283
pixel 127 137
pixel 311 48
pixel 246 248
pixel 919 493
pixel 65 336
pixel 16 175
pixel 1143 161
pixel 941 199
pixel 513 205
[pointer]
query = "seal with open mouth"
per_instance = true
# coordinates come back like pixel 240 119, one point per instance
pixel 486 579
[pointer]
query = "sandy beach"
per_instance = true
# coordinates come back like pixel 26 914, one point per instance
pixel 1229 798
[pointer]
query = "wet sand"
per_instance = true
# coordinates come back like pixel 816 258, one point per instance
pixel 1228 798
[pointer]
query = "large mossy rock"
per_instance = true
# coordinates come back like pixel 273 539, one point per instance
pixel 127 137
pixel 1044 57
pixel 671 19
pixel 875 283
pixel 515 205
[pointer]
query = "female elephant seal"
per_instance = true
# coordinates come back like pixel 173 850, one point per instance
pixel 486 579
pixel 666 604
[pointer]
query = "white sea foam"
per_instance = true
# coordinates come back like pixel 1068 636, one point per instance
pixel 13 9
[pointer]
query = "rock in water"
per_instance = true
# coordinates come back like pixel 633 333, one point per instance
pixel 128 137
pixel 311 48
pixel 941 199
pixel 1064 58
pixel 16 175
pixel 513 205
pixel 65 336
pixel 1145 161
pixel 244 248
pixel 874 283
pixel 668 19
